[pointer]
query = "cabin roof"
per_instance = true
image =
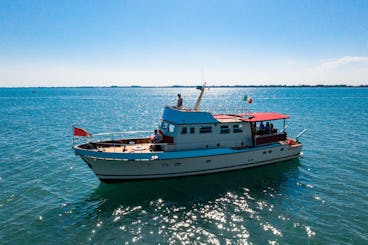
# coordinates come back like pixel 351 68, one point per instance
pixel 174 115
pixel 177 116
pixel 254 117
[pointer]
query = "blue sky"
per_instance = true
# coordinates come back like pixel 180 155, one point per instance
pixel 103 43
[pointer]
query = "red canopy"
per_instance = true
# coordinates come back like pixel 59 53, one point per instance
pixel 264 116
pixel 254 117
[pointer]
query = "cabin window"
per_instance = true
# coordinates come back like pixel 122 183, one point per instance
pixel 164 125
pixel 184 130
pixel 171 128
pixel 205 129
pixel 225 129
pixel 192 130
pixel 237 128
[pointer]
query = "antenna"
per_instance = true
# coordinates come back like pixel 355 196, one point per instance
pixel 202 74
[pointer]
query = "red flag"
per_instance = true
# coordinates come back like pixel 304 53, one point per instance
pixel 81 132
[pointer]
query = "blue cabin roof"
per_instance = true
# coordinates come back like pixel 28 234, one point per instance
pixel 177 116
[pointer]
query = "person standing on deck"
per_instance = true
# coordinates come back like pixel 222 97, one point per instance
pixel 179 104
pixel 157 137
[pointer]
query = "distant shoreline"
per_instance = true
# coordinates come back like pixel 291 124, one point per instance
pixel 209 86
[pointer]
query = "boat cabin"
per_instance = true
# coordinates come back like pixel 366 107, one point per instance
pixel 191 129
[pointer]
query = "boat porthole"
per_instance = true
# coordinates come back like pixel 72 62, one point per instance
pixel 208 161
pixel 264 152
pixel 177 164
pixel 270 151
pixel 281 149
pixel 218 145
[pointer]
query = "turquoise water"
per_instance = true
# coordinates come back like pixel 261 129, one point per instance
pixel 50 196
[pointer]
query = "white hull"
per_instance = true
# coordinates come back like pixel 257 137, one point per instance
pixel 114 168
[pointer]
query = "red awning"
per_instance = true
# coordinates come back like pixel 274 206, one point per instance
pixel 254 117
pixel 264 116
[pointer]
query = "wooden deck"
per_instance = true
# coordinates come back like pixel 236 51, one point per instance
pixel 135 148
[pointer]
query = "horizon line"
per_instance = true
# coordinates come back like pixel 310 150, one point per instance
pixel 194 86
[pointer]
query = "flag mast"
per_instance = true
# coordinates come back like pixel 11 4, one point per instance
pixel 249 101
pixel 73 133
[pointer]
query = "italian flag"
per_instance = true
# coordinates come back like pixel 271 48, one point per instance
pixel 248 99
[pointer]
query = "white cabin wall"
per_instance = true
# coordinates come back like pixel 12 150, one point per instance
pixel 196 140
pixel 211 140
pixel 247 132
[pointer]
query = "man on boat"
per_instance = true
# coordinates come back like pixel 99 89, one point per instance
pixel 157 137
pixel 179 104
pixel 261 128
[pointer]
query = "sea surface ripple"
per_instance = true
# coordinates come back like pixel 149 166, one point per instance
pixel 50 196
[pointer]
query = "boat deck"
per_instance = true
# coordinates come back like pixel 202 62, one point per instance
pixel 135 148
pixel 151 147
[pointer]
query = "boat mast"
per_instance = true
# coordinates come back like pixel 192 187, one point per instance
pixel 202 88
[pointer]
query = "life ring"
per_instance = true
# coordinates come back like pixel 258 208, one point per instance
pixel 139 148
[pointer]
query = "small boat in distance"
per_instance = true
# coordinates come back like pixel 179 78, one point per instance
pixel 192 142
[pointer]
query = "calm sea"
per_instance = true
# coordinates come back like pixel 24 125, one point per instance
pixel 47 195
